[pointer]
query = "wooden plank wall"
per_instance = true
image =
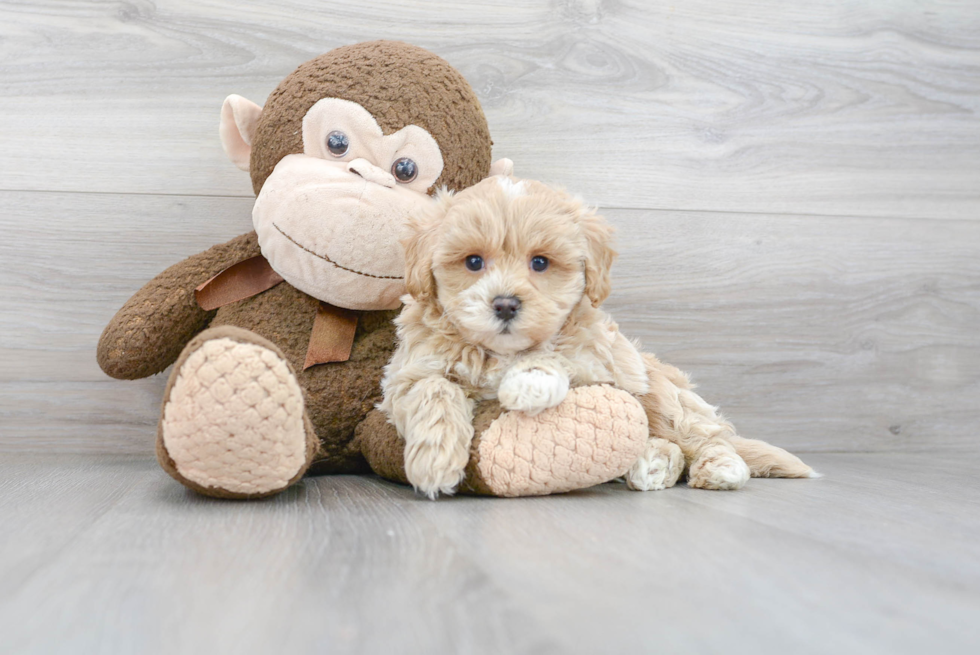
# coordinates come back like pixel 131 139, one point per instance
pixel 796 186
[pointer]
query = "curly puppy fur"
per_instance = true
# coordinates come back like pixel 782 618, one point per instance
pixel 505 282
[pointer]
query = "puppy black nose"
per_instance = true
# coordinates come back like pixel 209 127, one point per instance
pixel 505 307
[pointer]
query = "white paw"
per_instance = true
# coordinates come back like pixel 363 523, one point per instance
pixel 532 391
pixel 658 468
pixel 435 462
pixel 719 469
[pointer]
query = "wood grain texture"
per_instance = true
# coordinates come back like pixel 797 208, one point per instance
pixel 777 172
pixel 816 333
pixel 110 555
pixel 845 107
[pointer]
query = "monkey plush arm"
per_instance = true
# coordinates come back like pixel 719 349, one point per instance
pixel 595 435
pixel 148 333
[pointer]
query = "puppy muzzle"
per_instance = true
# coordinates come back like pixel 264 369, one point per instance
pixel 506 307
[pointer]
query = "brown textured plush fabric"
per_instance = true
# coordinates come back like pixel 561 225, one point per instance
pixel 420 88
pixel 474 483
pixel 338 396
pixel 148 333
pixel 385 450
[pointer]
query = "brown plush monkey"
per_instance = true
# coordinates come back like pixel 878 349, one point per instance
pixel 278 337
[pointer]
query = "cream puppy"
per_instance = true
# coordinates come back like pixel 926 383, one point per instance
pixel 505 282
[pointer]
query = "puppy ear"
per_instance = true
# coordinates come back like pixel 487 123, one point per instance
pixel 503 167
pixel 599 255
pixel 419 243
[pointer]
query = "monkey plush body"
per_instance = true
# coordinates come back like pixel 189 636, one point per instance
pixel 278 338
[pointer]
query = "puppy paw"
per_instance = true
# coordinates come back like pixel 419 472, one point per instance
pixel 532 391
pixel 658 468
pixel 435 463
pixel 718 468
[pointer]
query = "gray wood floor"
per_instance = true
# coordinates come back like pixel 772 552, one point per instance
pixel 106 554
pixel 797 192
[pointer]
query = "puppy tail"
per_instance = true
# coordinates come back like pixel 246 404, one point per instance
pixel 768 461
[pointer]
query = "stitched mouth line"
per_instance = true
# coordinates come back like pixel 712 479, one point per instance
pixel 330 261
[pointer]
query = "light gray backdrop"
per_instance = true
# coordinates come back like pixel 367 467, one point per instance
pixel 796 187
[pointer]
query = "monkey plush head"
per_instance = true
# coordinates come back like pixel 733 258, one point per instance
pixel 345 150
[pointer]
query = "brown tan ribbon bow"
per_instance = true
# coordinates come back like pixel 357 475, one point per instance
pixel 333 328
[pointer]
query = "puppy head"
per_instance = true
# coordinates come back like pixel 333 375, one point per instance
pixel 507 261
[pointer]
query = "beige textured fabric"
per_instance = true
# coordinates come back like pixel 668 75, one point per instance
pixel 234 419
pixel 334 235
pixel 368 144
pixel 239 116
pixel 594 436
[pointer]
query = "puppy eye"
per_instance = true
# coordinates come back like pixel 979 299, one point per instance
pixel 474 263
pixel 539 263
pixel 405 170
pixel 338 143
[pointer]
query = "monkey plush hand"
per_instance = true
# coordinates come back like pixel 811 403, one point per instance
pixel 279 337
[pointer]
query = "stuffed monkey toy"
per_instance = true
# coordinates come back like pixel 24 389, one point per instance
pixel 278 337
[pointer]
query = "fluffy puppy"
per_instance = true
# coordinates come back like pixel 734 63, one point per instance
pixel 505 282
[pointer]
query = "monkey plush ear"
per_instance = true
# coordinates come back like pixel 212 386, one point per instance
pixel 239 117
pixel 503 167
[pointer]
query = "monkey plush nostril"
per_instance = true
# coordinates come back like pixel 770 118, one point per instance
pixel 506 307
pixel 371 173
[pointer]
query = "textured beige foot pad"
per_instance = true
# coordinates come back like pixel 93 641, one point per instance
pixel 594 436
pixel 233 422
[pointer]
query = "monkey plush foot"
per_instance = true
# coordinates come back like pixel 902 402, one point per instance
pixel 233 423
pixel 595 435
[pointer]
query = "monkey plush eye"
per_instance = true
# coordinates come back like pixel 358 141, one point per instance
pixel 539 263
pixel 405 170
pixel 474 263
pixel 337 143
